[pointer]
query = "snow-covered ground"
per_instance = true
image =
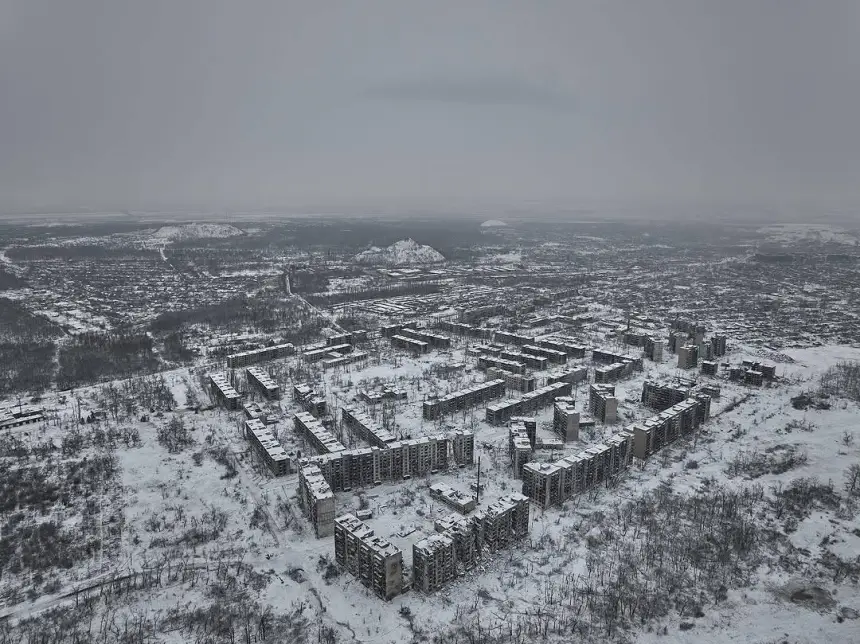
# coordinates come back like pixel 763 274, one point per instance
pixel 166 497
pixel 406 252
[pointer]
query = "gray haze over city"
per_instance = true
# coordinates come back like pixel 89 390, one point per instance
pixel 393 105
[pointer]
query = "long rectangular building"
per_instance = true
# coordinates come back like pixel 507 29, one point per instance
pixel 552 355
pixel 666 427
pixel 317 500
pixel 244 358
pixel 465 399
pixel 410 344
pixel 538 363
pixel 267 447
pixel 435 340
pixel 549 484
pixel 317 353
pixel 488 361
pixel 460 542
pixel 322 439
pixel 224 392
pixel 661 396
pixel 602 402
pixel 372 560
pixel 366 429
pixel 263 382
pixel 501 412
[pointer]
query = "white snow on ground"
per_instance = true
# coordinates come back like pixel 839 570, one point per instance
pixel 402 253
pixel 156 483
pixel 196 231
pixel 493 223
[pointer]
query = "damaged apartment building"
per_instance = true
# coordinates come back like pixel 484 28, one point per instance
pixel 461 542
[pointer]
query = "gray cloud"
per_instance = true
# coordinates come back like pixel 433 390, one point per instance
pixel 449 104
pixel 472 91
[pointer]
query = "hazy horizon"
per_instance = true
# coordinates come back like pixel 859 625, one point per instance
pixel 386 107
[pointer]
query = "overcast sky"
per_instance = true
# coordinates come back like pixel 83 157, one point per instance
pixel 399 103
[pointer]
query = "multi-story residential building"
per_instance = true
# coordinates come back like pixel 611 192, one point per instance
pixel 366 429
pixel 223 391
pixel 565 419
pixel 437 407
pixel 661 396
pixel 667 426
pixel 238 360
pixel 312 402
pixel 602 402
pixel 318 436
pixel 519 448
pixel 433 340
pixel 512 366
pixel 463 447
pixel 375 562
pixel 410 344
pixel 434 562
pixel 573 376
pixel 267 447
pixel 317 500
pixel 688 356
pixel 501 412
pixel 320 352
pixel 263 382
pixel 461 502
pixel 548 484
pixel 552 355
pixel 536 362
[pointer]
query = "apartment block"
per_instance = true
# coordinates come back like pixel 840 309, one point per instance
pixel 342 360
pixel 549 484
pixel 434 340
pixel 613 372
pixel 375 562
pixel 465 399
pixel 399 460
pixel 718 343
pixel 538 363
pixel 433 562
pixel 317 500
pixel 602 402
pixel 463 447
pixel 513 381
pixel 688 356
pixel 409 344
pixel 238 360
pixel 530 425
pixel 318 436
pixel 572 376
pixel 366 429
pixel 267 447
pixel 312 402
pixel 223 391
pixel 552 355
pixel 263 383
pixel 709 368
pixel 569 347
pixel 519 448
pixel 666 427
pixel 321 352
pixel 502 412
pixel 488 361
pixel 768 371
pixel 661 396
pixel 512 338
pixel 455 499
pixel 600 356
pixel 565 419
